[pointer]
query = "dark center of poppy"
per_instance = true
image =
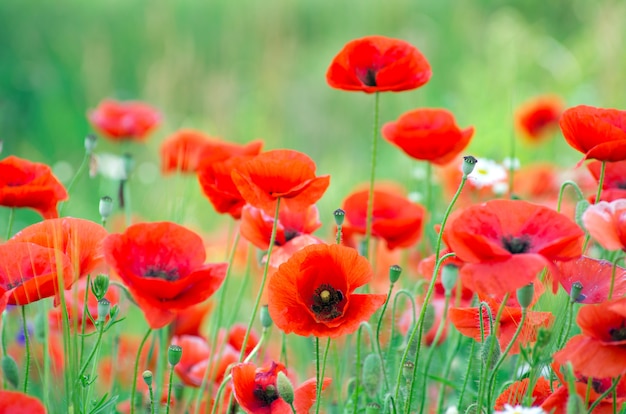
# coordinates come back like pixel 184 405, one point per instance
pixel 290 234
pixel 621 185
pixel 326 301
pixel 367 76
pixel 618 334
pixel 516 245
pixel 267 396
pixel 158 273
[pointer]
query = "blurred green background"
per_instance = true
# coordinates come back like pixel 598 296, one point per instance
pixel 246 69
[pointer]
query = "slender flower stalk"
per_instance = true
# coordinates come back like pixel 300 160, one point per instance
pixel 320 373
pixel 26 349
pixel 370 198
pixel 136 371
pixel 10 223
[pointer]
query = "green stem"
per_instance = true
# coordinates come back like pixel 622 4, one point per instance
pixel 218 394
pixel 370 198
pixel 378 348
pixel 264 334
pixel 79 172
pixel 597 200
pixel 613 272
pixel 152 402
pixel 94 355
pixel 169 389
pixel 446 371
pixel 136 371
pixel 409 295
pixel 320 376
pixel 27 349
pixel 263 280
pixel 357 371
pixel 93 352
pixel 467 374
pixel 605 394
pixel 572 184
pixel 10 224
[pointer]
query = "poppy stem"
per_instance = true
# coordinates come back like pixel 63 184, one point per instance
pixel 263 280
pixel 467 374
pixel 27 349
pixel 610 390
pixel 10 225
pixel 136 371
pixel 378 348
pixel 370 198
pixel 446 370
pixel 562 191
pixel 320 373
pixel 79 172
pixel 596 201
pixel 409 295
pixel 613 272
pixel 258 346
pixel 169 389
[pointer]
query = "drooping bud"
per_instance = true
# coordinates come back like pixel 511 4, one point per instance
pixel 340 215
pixel 468 164
pixel 581 207
pixel 266 318
pixel 525 295
pixel 105 207
pixel 449 276
pixel 372 375
pixel 575 293
pixel 10 370
pixel 285 388
pixel 104 306
pixel 90 143
pixel 394 273
pixel 147 377
pixel 490 351
pixel 100 286
pixel 174 354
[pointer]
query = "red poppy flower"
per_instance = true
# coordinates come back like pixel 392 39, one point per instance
pixel 312 293
pixel 538 117
pixel 14 402
pixel 197 358
pixel 119 121
pixel 256 390
pixel 285 174
pixel 506 243
pixel 428 134
pixel 395 219
pixel 595 278
pixel 467 321
pixel 598 133
pixel 600 350
pixel 80 240
pixel 217 184
pixel 378 64
pixel 163 266
pixel 30 184
pixel 614 183
pixel 606 223
pixel 29 272
pixel 187 149
pixel 514 393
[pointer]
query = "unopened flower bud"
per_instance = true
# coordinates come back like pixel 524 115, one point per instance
pixel 340 215
pixel 449 276
pixel 90 143
pixel 147 377
pixel 285 388
pixel 264 315
pixel 100 286
pixel 114 311
pixel 581 207
pixel 575 293
pixel 105 207
pixel 525 295
pixel 174 354
pixel 490 351
pixel 10 370
pixel 468 164
pixel 372 375
pixel 394 273
pixel 104 306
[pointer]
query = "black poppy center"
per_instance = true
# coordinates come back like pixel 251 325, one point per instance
pixel 326 301
pixel 516 245
pixel 618 334
pixel 290 234
pixel 158 273
pixel 621 185
pixel 368 77
pixel 267 395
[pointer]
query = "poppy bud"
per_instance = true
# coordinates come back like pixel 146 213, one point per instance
pixel 468 164
pixel 266 318
pixel 105 207
pixel 114 311
pixel 104 306
pixel 575 293
pixel 340 215
pixel 285 388
pixel 394 273
pixel 490 351
pixel 429 317
pixel 525 295
pixel 100 286
pixel 372 408
pixel 90 143
pixel 581 207
pixel 10 370
pixel 372 375
pixel 174 354
pixel 449 276
pixel 147 377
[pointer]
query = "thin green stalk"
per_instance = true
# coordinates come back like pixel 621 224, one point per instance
pixel 93 355
pixel 579 193
pixel 218 394
pixel 26 348
pixel 263 280
pixel 283 350
pixel 43 308
pixel 10 224
pixel 446 370
pixel 378 348
pixel 597 200
pixel 84 163
pixel 264 335
pixel 152 402
pixel 163 344
pixel 320 376
pixel 169 389
pixel 567 325
pixel 357 371
pixel 605 394
pixel 370 198
pixel 409 295
pixel 613 272
pixel 136 371
pixel 84 319
pixel 467 374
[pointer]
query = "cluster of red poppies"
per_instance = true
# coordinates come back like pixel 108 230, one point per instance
pixel 497 246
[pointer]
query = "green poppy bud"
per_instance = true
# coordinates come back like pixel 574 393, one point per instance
pixel 90 143
pixel 394 273
pixel 575 292
pixel 525 295
pixel 105 207
pixel 104 306
pixel 490 351
pixel 468 164
pixel 285 388
pixel 372 408
pixel 10 370
pixel 147 377
pixel 264 315
pixel 340 215
pixel 449 276
pixel 100 286
pixel 372 375
pixel 174 354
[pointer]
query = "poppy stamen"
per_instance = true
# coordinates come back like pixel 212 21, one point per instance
pixel 159 273
pixel 267 395
pixel 516 245
pixel 326 301
pixel 618 334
